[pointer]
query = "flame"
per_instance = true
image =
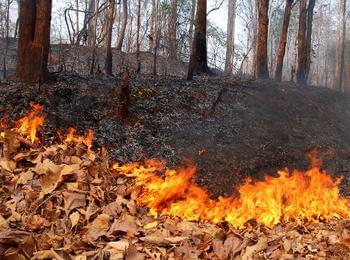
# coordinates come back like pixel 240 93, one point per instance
pixel 310 196
pixel 87 139
pixel 28 125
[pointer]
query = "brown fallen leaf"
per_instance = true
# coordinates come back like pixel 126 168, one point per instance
pixel 74 218
pixel 36 223
pixel 13 236
pixel 126 224
pixel 73 200
pixel 258 247
pixel 133 254
pixel 97 228
pixel 7 165
pixel 229 248
pixel 47 254
pixel 117 249
pixel 163 241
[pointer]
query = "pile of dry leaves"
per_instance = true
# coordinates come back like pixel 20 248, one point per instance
pixel 63 201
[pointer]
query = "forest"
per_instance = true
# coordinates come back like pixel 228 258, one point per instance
pixel 174 129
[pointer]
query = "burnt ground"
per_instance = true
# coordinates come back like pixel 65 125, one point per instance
pixel 230 128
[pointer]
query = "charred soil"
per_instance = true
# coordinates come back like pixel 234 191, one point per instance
pixel 229 128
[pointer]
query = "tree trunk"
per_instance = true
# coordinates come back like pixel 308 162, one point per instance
pixel 94 36
pixel 138 68
pixel 261 51
pixel 190 31
pixel 91 27
pixel 340 56
pixel 108 42
pixel 283 39
pixel 172 33
pixel 7 39
pixel 34 40
pixel 121 37
pixel 302 46
pixel 198 59
pixel 310 15
pixel 230 45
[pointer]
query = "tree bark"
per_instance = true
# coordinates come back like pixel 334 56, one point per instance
pixel 283 39
pixel 121 37
pixel 198 59
pixel 261 51
pixel 94 36
pixel 340 55
pixel 172 33
pixel 310 15
pixel 34 40
pixel 302 46
pixel 138 66
pixel 230 45
pixel 108 42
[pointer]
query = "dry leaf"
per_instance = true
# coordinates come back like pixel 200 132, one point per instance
pixel 230 247
pixel 117 249
pixel 125 223
pixel 47 254
pixel 36 223
pixel 73 200
pixel 258 247
pixel 7 165
pixel 25 177
pixel 163 241
pixel 97 228
pixel 74 219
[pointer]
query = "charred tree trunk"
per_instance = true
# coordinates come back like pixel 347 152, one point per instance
pixel 94 36
pixel 172 34
pixel 340 57
pixel 121 36
pixel 230 36
pixel 302 46
pixel 310 15
pixel 109 29
pixel 283 39
pixel 34 40
pixel 261 50
pixel 138 67
pixel 198 59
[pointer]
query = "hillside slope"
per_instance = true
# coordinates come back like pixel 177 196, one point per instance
pixel 229 128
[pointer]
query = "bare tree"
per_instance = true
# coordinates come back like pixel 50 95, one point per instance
pixel 34 40
pixel 198 59
pixel 302 52
pixel 310 15
pixel 283 39
pixel 138 68
pixel 93 29
pixel 108 42
pixel 121 36
pixel 261 50
pixel 172 32
pixel 7 34
pixel 340 56
pixel 231 21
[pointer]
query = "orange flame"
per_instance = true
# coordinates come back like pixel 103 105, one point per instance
pixel 301 196
pixel 27 126
pixel 87 139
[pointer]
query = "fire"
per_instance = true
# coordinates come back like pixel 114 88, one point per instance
pixel 87 139
pixel 27 126
pixel 310 196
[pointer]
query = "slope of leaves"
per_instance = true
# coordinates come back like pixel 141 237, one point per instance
pixel 62 201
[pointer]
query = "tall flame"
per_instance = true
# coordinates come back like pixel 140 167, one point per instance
pixel 301 196
pixel 27 126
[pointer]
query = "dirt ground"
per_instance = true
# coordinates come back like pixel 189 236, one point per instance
pixel 229 128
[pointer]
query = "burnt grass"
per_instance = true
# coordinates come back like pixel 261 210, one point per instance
pixel 229 128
